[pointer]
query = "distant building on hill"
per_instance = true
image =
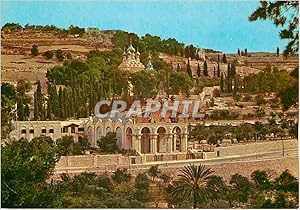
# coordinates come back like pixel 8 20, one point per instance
pixel 131 60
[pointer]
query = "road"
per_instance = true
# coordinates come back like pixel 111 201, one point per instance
pixel 178 164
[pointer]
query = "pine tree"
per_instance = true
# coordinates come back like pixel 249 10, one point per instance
pixel 218 70
pixel 222 82
pixel 224 59
pixel 239 52
pixel 189 70
pixel 205 70
pixel 198 70
pixel 277 52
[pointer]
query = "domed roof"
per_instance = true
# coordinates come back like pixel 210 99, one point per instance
pixel 131 48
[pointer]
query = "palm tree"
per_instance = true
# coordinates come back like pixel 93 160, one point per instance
pixel 192 184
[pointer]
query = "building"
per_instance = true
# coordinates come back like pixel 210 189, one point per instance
pixel 132 135
pixel 131 60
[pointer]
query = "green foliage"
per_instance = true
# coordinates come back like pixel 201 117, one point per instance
pixel 22 99
pixel 144 84
pixel 206 82
pixel 59 55
pixel 268 81
pixel 142 186
pixel 25 168
pixel 48 54
pixel 121 175
pixel 67 146
pixel 189 70
pixel 283 14
pixel 223 114
pixel 8 99
pixel 180 82
pixel 34 50
pixel 260 100
pixel 224 59
pixel 154 171
pixel 205 71
pixel 191 185
pixel 108 143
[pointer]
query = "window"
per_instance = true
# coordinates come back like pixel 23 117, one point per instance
pixel 80 129
pixel 72 129
pixel 31 131
pixel 64 130
pixel 51 130
pixel 23 131
pixel 44 130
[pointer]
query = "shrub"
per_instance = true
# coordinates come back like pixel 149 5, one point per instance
pixel 48 55
pixel 34 50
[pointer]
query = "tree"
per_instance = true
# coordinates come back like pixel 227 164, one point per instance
pixel 178 67
pixel 246 52
pixel 198 70
pixel 192 184
pixel 154 172
pixel 241 188
pixel 283 14
pixel 180 82
pixel 48 54
pixel 108 143
pixel 218 70
pixel 261 179
pixel 222 82
pixel 260 100
pixel 65 145
pixel 59 55
pixel 224 59
pixel 26 167
pixel 189 70
pixel 277 52
pixel 142 187
pixel 38 102
pixel 8 100
pixel 34 50
pixel 205 70
pixel 121 175
pixel 22 99
pixel 239 52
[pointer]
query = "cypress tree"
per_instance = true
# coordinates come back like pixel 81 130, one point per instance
pixel 222 82
pixel 218 57
pixel 189 70
pixel 277 52
pixel 178 67
pixel 228 79
pixel 61 110
pixel 35 111
pixel 198 70
pixel 239 52
pixel 205 70
pixel 214 71
pixel 246 52
pixel 39 103
pixel 224 59
pixel 218 70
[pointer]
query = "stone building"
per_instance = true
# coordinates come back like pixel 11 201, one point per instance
pixel 131 60
pixel 142 137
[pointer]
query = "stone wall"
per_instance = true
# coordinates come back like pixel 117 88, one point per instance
pixel 91 161
pixel 251 148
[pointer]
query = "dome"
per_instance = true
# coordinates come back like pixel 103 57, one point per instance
pixel 130 49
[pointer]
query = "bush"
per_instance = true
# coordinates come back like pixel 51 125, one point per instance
pixel 59 55
pixel 260 100
pixel 34 50
pixel 108 143
pixel 48 55
pixel 247 97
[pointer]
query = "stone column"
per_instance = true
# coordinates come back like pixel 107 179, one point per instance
pixel 174 137
pixel 154 144
pixel 184 142
pixel 169 142
pixel 138 143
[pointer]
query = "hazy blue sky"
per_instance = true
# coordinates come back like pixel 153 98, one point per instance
pixel 221 25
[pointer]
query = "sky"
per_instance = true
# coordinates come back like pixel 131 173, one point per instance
pixel 219 25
